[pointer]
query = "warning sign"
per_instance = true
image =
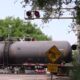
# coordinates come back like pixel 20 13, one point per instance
pixel 53 54
pixel 52 68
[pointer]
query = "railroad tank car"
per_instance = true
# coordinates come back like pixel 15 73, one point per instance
pixel 20 52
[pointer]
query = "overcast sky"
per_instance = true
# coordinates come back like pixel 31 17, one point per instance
pixel 57 29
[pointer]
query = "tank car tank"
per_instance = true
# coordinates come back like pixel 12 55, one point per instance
pixel 20 52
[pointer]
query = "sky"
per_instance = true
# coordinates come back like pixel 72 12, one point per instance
pixel 56 29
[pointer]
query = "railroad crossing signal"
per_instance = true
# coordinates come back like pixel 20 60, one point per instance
pixel 53 54
pixel 32 14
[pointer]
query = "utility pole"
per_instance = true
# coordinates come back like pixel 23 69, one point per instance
pixel 78 42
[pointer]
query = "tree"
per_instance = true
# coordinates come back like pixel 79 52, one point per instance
pixel 16 27
pixel 76 69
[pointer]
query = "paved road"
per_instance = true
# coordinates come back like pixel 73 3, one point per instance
pixel 29 77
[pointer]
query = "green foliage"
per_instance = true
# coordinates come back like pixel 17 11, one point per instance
pixel 44 3
pixel 20 29
pixel 76 66
pixel 77 8
pixel 76 73
pixel 75 54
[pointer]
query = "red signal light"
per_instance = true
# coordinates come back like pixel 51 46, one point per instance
pixel 29 14
pixel 37 14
